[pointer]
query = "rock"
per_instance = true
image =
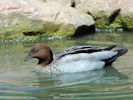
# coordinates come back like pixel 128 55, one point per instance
pixel 47 11
pixel 69 11
pixel 60 13
pixel 67 3
pixel 102 10
pixel 107 6
pixel 63 14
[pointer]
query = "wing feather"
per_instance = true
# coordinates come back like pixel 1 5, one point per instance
pixel 82 49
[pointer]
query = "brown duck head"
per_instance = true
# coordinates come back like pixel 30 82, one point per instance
pixel 42 52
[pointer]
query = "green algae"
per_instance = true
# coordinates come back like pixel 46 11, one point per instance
pixel 14 26
pixel 120 22
pixel 128 21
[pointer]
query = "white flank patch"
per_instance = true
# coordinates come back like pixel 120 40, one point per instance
pixel 80 66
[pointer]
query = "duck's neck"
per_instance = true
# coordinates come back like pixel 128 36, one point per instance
pixel 45 61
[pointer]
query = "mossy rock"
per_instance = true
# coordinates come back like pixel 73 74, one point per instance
pixel 117 19
pixel 103 22
pixel 127 22
pixel 16 25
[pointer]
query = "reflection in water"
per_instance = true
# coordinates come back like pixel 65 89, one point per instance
pixel 70 79
pixel 19 81
pixel 55 86
pixel 113 72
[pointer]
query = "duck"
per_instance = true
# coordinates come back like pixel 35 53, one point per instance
pixel 73 59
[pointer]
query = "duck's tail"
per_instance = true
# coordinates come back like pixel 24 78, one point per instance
pixel 120 53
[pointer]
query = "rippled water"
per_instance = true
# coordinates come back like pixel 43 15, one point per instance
pixel 19 81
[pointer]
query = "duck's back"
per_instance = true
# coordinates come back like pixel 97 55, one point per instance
pixel 91 60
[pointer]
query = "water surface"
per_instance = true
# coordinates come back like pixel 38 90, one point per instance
pixel 19 81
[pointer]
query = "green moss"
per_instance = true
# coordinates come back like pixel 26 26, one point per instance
pixel 64 30
pixel 120 21
pixel 51 29
pixel 15 25
pixel 117 22
pixel 101 22
pixel 128 21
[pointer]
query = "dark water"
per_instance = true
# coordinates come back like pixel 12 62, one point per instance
pixel 19 81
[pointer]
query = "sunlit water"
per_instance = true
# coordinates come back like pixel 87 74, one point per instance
pixel 19 81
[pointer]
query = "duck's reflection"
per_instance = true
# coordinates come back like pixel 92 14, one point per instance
pixel 113 72
pixel 53 85
pixel 106 75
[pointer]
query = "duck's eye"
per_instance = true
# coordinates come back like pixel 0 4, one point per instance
pixel 34 50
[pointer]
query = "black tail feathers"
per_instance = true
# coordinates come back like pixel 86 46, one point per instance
pixel 121 52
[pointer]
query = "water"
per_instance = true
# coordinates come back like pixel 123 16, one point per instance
pixel 19 81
